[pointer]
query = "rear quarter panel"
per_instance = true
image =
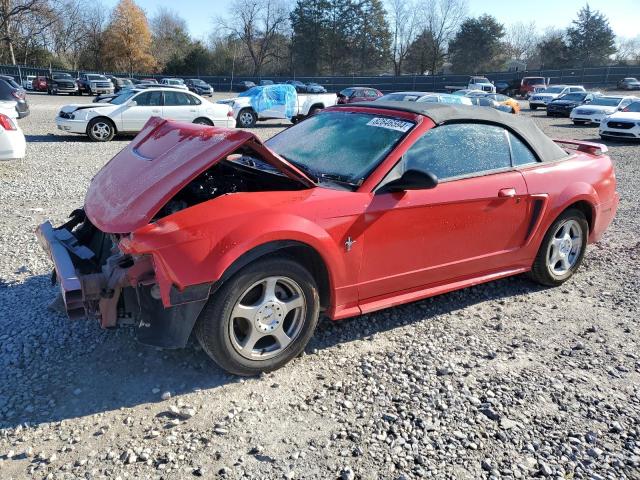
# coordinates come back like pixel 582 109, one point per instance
pixel 580 177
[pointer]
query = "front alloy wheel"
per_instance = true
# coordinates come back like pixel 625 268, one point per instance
pixel 100 130
pixel 261 318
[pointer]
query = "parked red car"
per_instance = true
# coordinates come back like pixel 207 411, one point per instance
pixel 358 94
pixel 352 210
pixel 528 84
pixel 40 84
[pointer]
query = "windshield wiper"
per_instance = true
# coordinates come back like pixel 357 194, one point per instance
pixel 306 170
pixel 338 178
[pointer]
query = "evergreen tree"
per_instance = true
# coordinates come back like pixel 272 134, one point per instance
pixel 591 39
pixel 553 52
pixel 476 46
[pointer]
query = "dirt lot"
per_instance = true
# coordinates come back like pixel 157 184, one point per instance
pixel 503 380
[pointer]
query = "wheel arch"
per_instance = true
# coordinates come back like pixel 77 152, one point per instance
pixel 299 251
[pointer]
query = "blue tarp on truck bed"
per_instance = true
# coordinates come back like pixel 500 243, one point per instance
pixel 269 96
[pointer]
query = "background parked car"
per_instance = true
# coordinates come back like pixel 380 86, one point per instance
pixel 61 83
pixel 425 97
pixel 483 101
pixel 243 85
pixel 562 106
pixel 512 106
pixel 313 87
pixel 199 86
pixel 623 125
pixel 599 108
pixel 298 85
pixel 528 85
pixel 551 93
pixel 120 83
pixel 12 141
pixel 129 111
pixel 148 80
pixel 39 83
pixel 94 84
pixel 10 91
pixel 174 82
pixel 358 94
pixel 27 82
pixel 265 82
pixel 629 83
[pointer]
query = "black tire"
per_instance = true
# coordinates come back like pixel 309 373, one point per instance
pixel 541 272
pixel 107 125
pixel 247 118
pixel 214 327
pixel 579 122
pixel 314 110
pixel 203 121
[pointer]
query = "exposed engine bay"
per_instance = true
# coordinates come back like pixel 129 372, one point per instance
pixel 243 171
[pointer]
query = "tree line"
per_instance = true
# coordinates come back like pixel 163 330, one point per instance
pixel 301 38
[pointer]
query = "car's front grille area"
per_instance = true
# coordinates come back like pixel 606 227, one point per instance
pixel 487 88
pixel 618 134
pixel 66 85
pixel 585 112
pixel 620 125
pixel 103 85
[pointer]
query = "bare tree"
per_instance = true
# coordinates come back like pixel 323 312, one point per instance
pixel 521 40
pixel 442 18
pixel 170 36
pixel 11 13
pixel 259 24
pixel 404 21
pixel 628 50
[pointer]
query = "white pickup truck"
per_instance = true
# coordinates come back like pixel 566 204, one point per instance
pixel 276 102
pixel 475 83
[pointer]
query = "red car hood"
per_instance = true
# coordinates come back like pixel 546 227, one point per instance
pixel 164 157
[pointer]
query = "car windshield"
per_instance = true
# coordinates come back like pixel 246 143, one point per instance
pixel 96 77
pixel 199 82
pixel 606 101
pixel 347 92
pixel 481 80
pixel 633 107
pixel 62 76
pixel 573 97
pixel 553 90
pixel 342 147
pixel 123 97
pixel 533 81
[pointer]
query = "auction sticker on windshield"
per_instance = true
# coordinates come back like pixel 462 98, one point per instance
pixel 390 124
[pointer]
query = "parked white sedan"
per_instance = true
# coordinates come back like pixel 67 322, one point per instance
pixel 12 142
pixel 129 111
pixel 600 108
pixel 624 125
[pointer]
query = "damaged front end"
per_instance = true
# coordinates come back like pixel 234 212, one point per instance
pixel 99 281
pixel 123 258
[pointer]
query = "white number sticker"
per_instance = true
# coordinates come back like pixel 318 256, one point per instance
pixel 390 124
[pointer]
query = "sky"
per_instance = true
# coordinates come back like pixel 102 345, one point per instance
pixel 624 15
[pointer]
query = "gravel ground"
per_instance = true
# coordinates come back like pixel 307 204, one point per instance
pixel 503 380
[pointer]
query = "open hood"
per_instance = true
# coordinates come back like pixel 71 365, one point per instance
pixel 166 155
pixel 83 106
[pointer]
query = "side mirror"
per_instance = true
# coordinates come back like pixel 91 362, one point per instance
pixel 132 103
pixel 411 180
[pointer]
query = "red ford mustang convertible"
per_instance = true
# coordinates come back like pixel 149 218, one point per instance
pixel 358 208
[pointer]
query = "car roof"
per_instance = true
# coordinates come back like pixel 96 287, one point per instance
pixel 441 113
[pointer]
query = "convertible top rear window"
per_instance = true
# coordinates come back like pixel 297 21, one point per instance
pixel 343 146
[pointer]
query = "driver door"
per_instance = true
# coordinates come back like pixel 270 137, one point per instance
pixel 147 104
pixel 474 221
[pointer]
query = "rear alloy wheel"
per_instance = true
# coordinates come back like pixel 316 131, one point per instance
pixel 247 118
pixel 261 318
pixel 100 130
pixel 562 249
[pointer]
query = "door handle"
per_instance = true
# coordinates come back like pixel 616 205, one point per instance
pixel 507 192
pixel 155 111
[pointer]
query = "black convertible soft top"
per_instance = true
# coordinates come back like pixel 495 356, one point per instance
pixel 546 149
